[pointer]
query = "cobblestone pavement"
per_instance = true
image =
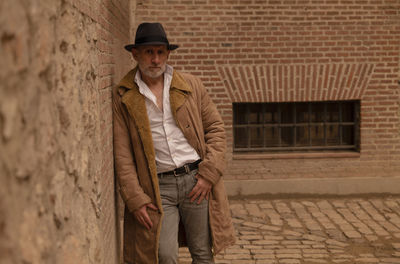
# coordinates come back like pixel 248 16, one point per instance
pixel 315 230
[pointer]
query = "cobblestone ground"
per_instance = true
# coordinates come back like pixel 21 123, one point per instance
pixel 302 231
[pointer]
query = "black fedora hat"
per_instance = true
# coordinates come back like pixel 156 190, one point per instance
pixel 150 34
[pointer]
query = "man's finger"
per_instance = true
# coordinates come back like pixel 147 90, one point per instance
pixel 195 196
pixel 193 192
pixel 200 199
pixel 148 222
pixel 146 225
pixel 152 207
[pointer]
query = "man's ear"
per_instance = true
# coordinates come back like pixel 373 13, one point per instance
pixel 135 53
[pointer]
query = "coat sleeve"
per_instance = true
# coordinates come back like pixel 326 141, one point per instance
pixel 125 167
pixel 213 164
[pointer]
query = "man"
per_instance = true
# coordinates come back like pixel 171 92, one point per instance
pixel 169 147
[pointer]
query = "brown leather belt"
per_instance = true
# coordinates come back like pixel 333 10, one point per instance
pixel 181 170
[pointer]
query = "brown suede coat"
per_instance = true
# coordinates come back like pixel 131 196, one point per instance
pixel 200 122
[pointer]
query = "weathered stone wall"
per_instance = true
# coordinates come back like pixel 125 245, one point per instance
pixel 59 60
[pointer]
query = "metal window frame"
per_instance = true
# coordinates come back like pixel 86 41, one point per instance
pixel 293 146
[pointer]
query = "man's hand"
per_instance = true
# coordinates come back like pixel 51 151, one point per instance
pixel 143 217
pixel 201 190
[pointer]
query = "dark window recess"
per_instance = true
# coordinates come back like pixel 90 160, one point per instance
pixel 300 126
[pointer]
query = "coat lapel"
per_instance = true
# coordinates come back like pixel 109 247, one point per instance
pixel 178 92
pixel 136 106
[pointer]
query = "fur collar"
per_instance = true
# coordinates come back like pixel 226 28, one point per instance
pixel 135 104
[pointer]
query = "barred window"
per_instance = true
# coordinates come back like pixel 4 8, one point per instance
pixel 298 126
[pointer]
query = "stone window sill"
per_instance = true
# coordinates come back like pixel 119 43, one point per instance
pixel 313 155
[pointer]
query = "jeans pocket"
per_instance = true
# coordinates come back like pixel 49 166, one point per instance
pixel 190 181
pixel 193 175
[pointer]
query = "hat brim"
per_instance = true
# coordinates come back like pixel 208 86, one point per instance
pixel 169 47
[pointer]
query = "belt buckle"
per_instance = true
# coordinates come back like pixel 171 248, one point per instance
pixel 187 168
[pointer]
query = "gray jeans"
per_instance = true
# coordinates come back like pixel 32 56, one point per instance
pixel 177 206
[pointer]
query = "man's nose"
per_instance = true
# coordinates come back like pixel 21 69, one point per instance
pixel 155 59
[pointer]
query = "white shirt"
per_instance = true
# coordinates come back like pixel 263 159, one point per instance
pixel 171 147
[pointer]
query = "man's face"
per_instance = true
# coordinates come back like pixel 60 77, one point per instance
pixel 151 59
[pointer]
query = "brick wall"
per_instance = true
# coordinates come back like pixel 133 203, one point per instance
pixel 59 60
pixel 294 50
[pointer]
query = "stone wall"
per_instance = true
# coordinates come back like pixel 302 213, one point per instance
pixel 59 60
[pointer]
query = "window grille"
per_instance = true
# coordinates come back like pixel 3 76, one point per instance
pixel 297 126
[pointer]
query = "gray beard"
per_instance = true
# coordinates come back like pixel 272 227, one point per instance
pixel 153 74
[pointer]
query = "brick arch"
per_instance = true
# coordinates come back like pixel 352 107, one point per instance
pixel 286 83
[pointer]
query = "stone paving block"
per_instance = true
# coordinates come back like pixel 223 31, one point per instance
pixel 289 261
pixel 336 251
pixel 242 242
pixel 312 225
pixel 371 238
pixel 288 256
pixel 289 243
pixel 311 261
pixel 390 260
pixel 396 246
pixel 252 224
pixel 318 246
pixel 336 243
pixel 242 261
pixel 262 251
pixel 315 251
pixel 367 260
pixel 291 233
pixel 363 228
pixel 265 205
pixel 254 210
pixel 237 251
pixel 237 256
pixel 270 228
pixel 343 261
pixel 338 204
pixel 288 251
pixel 253 246
pixel 251 237
pixel 263 256
pixel 315 256
pixel 314 238
pixel 237 220
pixel 265 242
pixel 352 234
pixel 294 223
pixel 266 261
pixel 282 208
pixel 218 261
pixel 273 237
pixel 247 232
pixel 344 256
